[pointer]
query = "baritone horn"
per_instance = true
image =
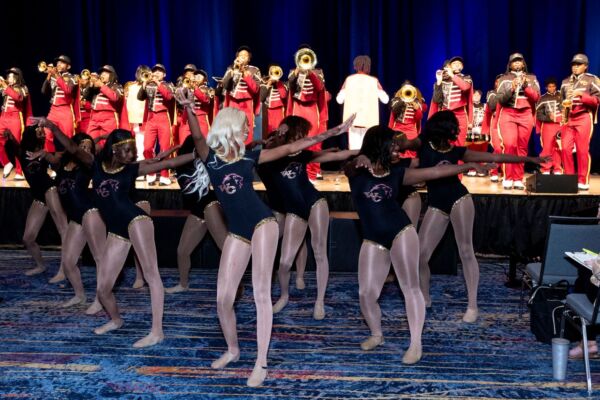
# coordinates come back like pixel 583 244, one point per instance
pixel 275 73
pixel 407 93
pixel 305 59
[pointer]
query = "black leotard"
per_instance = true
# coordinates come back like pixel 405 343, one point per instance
pixel 404 192
pixel 36 174
pixel 291 179
pixel 73 191
pixel 191 201
pixel 274 196
pixel 443 193
pixel 381 217
pixel 232 183
pixel 111 191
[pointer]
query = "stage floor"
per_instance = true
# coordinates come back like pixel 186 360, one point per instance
pixel 51 353
pixel 337 182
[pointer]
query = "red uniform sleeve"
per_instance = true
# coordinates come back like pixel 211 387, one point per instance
pixel 201 96
pixel 391 121
pixel 253 87
pixel 532 94
pixel 461 83
pixel 589 101
pixel 15 95
pixel 317 83
pixel 112 95
pixel 66 87
pixel 167 94
pixel 282 90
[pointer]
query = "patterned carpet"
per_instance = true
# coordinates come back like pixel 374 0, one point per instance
pixel 51 353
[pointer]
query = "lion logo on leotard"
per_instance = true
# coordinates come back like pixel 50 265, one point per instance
pixel 66 185
pixel 292 170
pixel 107 187
pixel 231 183
pixel 379 192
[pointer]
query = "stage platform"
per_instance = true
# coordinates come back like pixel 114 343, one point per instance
pixel 508 222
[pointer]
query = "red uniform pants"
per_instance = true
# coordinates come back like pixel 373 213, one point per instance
pixel 463 123
pixel 184 128
pixel 548 132
pixel 410 130
pixel 274 118
pixel 102 123
pixel 157 127
pixel 514 130
pixel 310 112
pixel 64 119
pixel 12 121
pixel 578 133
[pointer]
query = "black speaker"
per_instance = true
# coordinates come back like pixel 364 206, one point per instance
pixel 540 183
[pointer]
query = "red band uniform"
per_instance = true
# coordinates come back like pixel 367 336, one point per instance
pixel 406 118
pixel 241 88
pixel 515 117
pixel 548 119
pixel 274 97
pixel 577 132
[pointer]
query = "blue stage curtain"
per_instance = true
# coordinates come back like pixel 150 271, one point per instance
pixel 405 39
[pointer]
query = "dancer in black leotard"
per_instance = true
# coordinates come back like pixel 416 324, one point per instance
pixel 205 213
pixel 85 223
pixel 449 201
pixel 388 233
pixel 252 227
pixel 113 172
pixel 43 191
pixel 275 201
pixel 305 207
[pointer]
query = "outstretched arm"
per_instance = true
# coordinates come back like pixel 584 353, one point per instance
pixel 70 146
pixel 416 175
pixel 329 156
pixel 482 156
pixel 268 155
pixel 151 167
pixel 199 141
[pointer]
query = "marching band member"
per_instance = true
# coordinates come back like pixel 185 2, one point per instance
pixel 407 109
pixel 136 108
pixel 241 87
pixel 159 117
pixel 476 139
pixel 454 91
pixel 64 98
pixel 16 110
pixel 518 91
pixel 547 125
pixel 273 94
pixel 203 98
pixel 308 98
pixel 108 108
pixel 490 124
pixel 360 95
pixel 85 106
pixel 581 95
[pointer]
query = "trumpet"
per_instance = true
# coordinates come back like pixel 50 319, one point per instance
pixel 275 74
pixel 187 83
pixel 85 74
pixel 45 68
pixel 305 59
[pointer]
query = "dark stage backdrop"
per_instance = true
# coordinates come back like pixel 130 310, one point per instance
pixel 405 39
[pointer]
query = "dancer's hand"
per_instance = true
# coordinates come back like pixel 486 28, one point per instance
pixel 35 155
pixel 345 126
pixel 164 154
pixel 482 168
pixel 184 97
pixel 363 161
pixel 40 121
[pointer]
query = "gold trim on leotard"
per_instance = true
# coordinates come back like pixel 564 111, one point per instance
pixel 119 237
pixel 243 239
pixel 41 203
pixel 138 218
pixel 412 194
pixel 116 171
pixel 377 245
pixel 264 221
pixel 295 216
pixel 466 196
pixel 439 150
pixel 438 211
pixel 197 218
pixel 51 189
pixel 212 203
pixel 318 201
pixel 407 227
